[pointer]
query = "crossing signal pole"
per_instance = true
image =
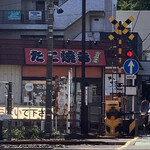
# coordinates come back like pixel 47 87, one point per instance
pixel 119 88
pixel 121 29
pixel 111 118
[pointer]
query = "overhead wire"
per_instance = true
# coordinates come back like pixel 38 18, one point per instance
pixel 136 20
pixel 146 37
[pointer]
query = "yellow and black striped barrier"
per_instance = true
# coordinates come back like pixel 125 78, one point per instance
pixel 112 119
pixel 129 127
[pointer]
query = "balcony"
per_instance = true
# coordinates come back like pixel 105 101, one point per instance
pixel 23 19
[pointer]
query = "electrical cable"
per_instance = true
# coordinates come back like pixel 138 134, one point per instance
pixel 146 37
pixel 147 47
pixel 136 20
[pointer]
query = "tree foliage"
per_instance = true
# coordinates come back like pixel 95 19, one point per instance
pixel 133 5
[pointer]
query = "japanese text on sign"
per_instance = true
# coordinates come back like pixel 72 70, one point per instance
pixel 64 56
pixel 25 112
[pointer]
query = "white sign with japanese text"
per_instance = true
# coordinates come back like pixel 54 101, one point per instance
pixel 25 112
pixel 35 15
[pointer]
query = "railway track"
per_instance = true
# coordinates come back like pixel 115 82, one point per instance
pixel 52 144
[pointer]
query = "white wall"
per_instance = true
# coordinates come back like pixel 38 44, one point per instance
pixel 70 19
pixel 73 11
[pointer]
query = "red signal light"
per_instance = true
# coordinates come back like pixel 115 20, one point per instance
pixel 129 53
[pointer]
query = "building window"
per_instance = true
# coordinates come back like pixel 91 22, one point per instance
pixel 56 2
pixel 40 5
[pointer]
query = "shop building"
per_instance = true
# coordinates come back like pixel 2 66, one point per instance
pixel 26 63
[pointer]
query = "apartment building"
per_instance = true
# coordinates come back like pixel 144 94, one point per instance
pixel 25 19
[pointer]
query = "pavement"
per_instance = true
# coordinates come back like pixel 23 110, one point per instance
pixel 103 139
pixel 140 142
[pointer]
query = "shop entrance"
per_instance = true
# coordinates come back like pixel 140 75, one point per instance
pixel 93 96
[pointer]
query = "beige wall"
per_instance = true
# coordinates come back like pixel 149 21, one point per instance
pixel 10 73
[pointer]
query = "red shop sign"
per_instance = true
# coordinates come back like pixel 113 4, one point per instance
pixel 37 56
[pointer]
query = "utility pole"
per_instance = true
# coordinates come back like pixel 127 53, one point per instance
pixel 84 105
pixel 49 77
pixel 9 108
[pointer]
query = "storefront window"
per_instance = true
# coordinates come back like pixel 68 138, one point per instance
pixel 34 92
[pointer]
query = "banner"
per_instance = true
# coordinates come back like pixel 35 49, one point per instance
pixel 38 56
pixel 25 112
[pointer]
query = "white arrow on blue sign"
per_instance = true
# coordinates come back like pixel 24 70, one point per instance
pixel 131 66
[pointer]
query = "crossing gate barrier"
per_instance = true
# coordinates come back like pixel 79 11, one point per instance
pixel 112 119
pixel 129 127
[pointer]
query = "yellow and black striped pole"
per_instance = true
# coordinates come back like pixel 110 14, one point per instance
pixel 119 88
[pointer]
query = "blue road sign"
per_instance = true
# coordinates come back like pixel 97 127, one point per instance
pixel 131 66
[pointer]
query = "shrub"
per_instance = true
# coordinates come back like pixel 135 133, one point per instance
pixel 32 132
pixel 17 134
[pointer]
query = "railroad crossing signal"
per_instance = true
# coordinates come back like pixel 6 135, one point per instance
pixel 129 53
pixel 121 27
pixel 113 121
